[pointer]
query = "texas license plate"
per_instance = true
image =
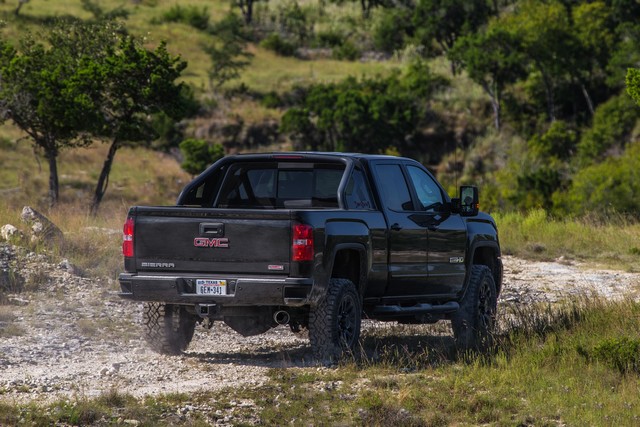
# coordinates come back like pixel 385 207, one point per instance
pixel 211 287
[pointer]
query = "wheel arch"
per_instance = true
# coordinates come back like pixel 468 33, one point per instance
pixel 488 253
pixel 350 261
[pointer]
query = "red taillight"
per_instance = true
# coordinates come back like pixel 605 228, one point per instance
pixel 302 248
pixel 127 238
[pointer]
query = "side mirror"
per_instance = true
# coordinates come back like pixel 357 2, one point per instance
pixel 469 200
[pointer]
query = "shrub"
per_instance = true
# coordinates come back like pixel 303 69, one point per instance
pixel 613 123
pixel 348 51
pixel 271 100
pixel 329 38
pixel 278 44
pixel 622 354
pixel 390 28
pixel 611 185
pixel 191 15
pixel 198 155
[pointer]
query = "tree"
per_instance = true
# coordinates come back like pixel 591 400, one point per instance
pixel 367 116
pixel 548 42
pixel 633 84
pixel 20 4
pixel 444 21
pixel 228 54
pixel 368 5
pixel 492 59
pixel 135 84
pixel 246 8
pixel 48 91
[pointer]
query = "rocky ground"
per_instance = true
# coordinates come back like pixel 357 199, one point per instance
pixel 68 335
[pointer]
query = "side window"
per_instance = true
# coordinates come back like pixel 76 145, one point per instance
pixel 357 192
pixel 394 188
pixel 426 188
pixel 203 194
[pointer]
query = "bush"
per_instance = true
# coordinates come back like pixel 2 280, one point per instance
pixel 622 354
pixel 329 39
pixel 390 28
pixel 271 100
pixel 611 185
pixel 348 51
pixel 191 15
pixel 613 123
pixel 198 155
pixel 278 44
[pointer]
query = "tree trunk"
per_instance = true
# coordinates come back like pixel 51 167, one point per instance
pixel 587 98
pixel 103 181
pixel 20 4
pixel 494 94
pixel 52 157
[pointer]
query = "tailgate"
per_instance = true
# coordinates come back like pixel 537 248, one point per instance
pixel 212 240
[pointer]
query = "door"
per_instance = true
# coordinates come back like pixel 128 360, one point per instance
pixel 447 234
pixel 407 240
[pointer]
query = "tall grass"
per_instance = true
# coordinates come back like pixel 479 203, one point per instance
pixel 613 241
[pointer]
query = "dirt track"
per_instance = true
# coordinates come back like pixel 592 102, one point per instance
pixel 75 337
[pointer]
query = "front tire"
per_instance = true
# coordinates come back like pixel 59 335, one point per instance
pixel 168 328
pixel 474 323
pixel 334 324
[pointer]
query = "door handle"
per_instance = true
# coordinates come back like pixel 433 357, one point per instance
pixel 212 229
pixel 395 227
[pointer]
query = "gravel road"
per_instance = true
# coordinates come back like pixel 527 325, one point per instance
pixel 74 337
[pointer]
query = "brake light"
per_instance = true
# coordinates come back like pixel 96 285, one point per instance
pixel 302 247
pixel 127 238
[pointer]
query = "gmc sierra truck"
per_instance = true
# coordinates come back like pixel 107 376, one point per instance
pixel 315 241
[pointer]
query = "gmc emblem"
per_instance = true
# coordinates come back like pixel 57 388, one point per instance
pixel 205 242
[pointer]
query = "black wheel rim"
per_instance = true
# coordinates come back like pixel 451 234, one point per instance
pixel 485 308
pixel 347 320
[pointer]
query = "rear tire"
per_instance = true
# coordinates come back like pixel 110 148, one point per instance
pixel 168 328
pixel 474 323
pixel 334 324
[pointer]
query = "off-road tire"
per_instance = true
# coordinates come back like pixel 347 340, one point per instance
pixel 334 323
pixel 168 328
pixel 474 323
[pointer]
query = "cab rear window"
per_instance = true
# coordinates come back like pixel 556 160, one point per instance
pixel 271 185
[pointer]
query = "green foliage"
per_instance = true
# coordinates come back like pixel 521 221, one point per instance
pixel 493 59
pixel 191 15
pixel 613 184
pixel 558 143
pixel 278 44
pixel 612 125
pixel 622 354
pixel 198 155
pixel 444 21
pixel 633 84
pixel 99 13
pixel 346 51
pixel 228 53
pixel 366 116
pixel 51 90
pixel 390 29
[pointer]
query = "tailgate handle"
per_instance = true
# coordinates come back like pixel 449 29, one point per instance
pixel 212 229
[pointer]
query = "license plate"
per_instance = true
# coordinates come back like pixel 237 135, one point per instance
pixel 211 287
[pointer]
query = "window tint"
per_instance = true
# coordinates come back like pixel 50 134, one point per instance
pixel 203 194
pixel 426 188
pixel 281 185
pixel 394 188
pixel 357 193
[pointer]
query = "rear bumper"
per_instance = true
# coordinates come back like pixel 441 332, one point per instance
pixel 241 291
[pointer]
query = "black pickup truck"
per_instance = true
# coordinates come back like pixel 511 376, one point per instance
pixel 315 241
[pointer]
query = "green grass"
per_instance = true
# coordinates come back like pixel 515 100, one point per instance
pixel 611 242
